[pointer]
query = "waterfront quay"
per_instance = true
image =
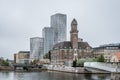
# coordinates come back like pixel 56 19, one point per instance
pixel 61 69
pixel 89 67
pixel 6 68
pixel 106 69
pixel 66 69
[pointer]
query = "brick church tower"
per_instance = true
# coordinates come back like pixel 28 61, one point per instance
pixel 74 34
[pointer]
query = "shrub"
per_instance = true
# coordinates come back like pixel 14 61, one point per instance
pixel 101 58
pixel 80 62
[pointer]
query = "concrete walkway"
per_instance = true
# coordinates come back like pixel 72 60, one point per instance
pixel 102 66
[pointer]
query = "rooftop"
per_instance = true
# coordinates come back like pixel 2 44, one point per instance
pixel 74 22
pixel 24 52
pixel 112 44
pixel 108 45
pixel 67 44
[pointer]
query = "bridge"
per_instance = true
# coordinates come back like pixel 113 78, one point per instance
pixel 98 67
pixel 25 66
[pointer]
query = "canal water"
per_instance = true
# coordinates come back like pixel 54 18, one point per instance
pixel 51 75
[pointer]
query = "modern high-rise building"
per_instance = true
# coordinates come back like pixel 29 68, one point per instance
pixel 36 48
pixel 58 22
pixel 48 35
pixel 56 33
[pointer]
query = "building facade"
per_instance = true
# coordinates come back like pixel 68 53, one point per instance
pixel 64 53
pixel 48 35
pixel 115 57
pixel 22 57
pixel 59 23
pixel 36 48
pixel 107 50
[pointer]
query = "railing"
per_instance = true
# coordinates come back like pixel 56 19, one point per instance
pixel 26 65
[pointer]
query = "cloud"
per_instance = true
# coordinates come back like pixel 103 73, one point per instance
pixel 98 21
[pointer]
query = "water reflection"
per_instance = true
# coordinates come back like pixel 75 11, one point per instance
pixel 115 76
pixel 19 76
pixel 4 74
pixel 88 76
pixel 51 75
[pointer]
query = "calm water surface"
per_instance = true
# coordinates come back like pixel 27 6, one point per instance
pixel 51 75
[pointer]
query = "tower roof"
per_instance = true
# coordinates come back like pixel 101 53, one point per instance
pixel 74 26
pixel 74 22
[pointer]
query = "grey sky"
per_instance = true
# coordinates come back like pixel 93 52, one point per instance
pixel 98 21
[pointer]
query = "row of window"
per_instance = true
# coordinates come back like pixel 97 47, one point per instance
pixel 112 47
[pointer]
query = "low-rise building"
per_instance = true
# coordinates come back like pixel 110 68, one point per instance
pixel 115 57
pixel 22 57
pixel 107 50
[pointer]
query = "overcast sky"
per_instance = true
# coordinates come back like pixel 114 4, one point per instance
pixel 98 21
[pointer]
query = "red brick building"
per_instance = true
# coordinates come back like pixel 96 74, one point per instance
pixel 67 51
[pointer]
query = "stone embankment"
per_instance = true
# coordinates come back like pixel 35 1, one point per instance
pixel 66 69
pixel 7 68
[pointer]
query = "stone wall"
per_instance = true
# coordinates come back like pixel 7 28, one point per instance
pixel 8 68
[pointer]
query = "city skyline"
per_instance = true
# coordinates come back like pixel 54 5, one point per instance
pixel 20 20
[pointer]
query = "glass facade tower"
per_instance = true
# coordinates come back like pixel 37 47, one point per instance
pixel 56 33
pixel 58 22
pixel 48 35
pixel 36 48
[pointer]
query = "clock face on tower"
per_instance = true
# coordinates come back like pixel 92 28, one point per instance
pixel 75 36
